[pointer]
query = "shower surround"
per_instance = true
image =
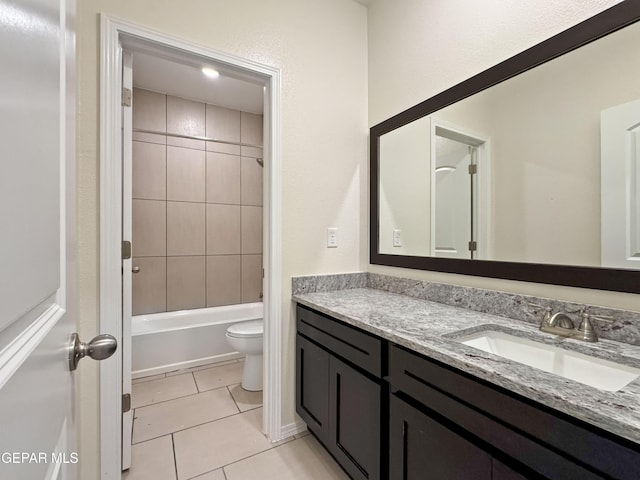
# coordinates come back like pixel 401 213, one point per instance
pixel 197 205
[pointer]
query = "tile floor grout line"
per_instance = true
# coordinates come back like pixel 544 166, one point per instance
pixel 175 461
pixel 234 399
pixel 196 382
pixel 194 426
pixel 183 396
pixel 272 447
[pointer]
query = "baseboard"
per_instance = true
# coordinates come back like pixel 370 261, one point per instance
pixel 292 429
pixel 147 372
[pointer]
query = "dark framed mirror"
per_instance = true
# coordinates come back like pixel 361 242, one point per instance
pixel 527 171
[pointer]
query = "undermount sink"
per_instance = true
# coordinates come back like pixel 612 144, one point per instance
pixel 596 372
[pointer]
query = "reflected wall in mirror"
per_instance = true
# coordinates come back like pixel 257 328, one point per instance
pixel 541 168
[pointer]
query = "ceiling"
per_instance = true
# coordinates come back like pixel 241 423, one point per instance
pixel 185 79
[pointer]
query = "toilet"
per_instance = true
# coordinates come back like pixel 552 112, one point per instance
pixel 246 337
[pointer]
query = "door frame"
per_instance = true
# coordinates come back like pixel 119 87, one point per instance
pixel 113 32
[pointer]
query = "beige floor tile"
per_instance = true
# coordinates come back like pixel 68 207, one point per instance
pixel 201 367
pixel 162 389
pixel 244 399
pixel 219 376
pixel 174 415
pixel 215 475
pixel 152 460
pixel 302 459
pixel 216 444
pixel 147 379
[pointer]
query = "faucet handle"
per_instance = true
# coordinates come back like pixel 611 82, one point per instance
pixel 603 318
pixel 586 330
pixel 547 310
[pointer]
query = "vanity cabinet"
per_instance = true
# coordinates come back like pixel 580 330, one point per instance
pixel 469 417
pixel 339 391
pixel 386 412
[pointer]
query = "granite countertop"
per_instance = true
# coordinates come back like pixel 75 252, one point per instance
pixel 432 328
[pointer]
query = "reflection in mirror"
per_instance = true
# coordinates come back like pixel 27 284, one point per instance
pixel 535 195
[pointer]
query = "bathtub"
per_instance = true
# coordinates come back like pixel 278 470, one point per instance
pixel 163 342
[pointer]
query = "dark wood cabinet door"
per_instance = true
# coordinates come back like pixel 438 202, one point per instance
pixel 354 421
pixel 312 386
pixel 422 449
pixel 502 472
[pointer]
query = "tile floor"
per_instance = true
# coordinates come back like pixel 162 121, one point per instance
pixel 200 424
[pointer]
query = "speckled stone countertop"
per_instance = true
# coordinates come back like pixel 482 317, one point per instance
pixel 432 328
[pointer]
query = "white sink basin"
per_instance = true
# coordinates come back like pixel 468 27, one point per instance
pixel 598 373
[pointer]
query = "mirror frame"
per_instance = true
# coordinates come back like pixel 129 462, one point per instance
pixel 620 280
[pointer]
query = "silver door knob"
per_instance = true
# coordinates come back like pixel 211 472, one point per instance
pixel 99 348
pixel 135 269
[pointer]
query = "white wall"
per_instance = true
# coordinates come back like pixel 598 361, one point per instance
pixel 405 188
pixel 419 48
pixel 321 49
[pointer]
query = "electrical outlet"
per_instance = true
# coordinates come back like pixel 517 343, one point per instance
pixel 332 237
pixel 397 237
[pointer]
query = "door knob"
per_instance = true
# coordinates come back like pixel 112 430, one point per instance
pixel 99 348
pixel 135 269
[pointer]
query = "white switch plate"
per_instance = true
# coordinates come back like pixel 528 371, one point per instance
pixel 332 237
pixel 397 237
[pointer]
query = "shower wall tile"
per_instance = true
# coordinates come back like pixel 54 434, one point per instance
pixel 149 138
pixel 149 110
pixel 186 280
pixel 185 228
pixel 251 278
pixel 223 229
pixel 149 228
pixel 186 143
pixel 223 178
pixel 197 205
pixel 223 148
pixel 185 117
pixel 149 171
pixel 149 286
pixel 251 230
pixel 223 124
pixel 251 128
pixel 185 174
pixel 251 184
pixel 223 280
pixel 254 152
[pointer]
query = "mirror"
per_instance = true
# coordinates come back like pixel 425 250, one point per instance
pixel 523 172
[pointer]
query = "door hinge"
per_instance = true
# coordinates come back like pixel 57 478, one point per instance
pixel 126 250
pixel 473 169
pixel 473 246
pixel 126 402
pixel 126 97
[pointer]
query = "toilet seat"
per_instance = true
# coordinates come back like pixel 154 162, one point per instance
pixel 252 329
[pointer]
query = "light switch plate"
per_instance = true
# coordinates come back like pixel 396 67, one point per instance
pixel 332 237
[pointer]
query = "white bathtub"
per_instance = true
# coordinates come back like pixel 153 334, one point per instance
pixel 163 342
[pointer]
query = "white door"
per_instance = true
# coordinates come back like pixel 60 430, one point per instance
pixel 37 240
pixel 620 185
pixel 453 199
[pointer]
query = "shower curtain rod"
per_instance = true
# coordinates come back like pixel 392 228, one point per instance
pixel 191 137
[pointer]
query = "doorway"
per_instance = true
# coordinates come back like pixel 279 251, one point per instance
pixel 460 193
pixel 118 38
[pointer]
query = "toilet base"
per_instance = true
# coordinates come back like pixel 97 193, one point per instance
pixel 252 375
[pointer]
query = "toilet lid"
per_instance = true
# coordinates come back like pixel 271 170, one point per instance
pixel 250 329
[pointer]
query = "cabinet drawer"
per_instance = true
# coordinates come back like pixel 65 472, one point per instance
pixel 549 442
pixel 356 346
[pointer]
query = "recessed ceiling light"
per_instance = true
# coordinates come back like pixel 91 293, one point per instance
pixel 210 72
